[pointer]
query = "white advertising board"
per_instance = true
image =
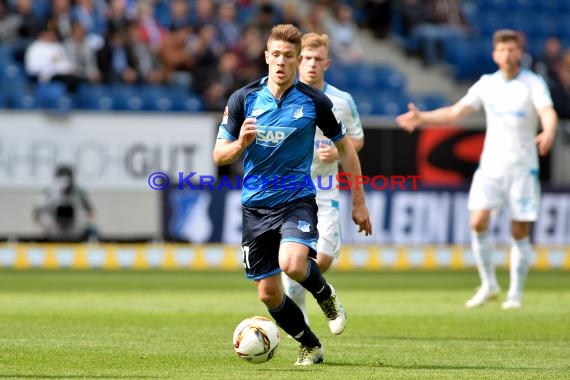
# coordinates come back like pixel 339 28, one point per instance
pixel 108 151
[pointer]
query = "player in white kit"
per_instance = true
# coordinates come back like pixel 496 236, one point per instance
pixel 314 63
pixel 514 100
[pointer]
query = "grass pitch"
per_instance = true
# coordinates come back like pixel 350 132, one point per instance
pixel 71 324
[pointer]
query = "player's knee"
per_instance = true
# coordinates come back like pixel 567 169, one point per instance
pixel 272 299
pixel 479 224
pixel 324 262
pixel 519 233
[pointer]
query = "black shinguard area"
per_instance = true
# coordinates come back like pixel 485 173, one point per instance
pixel 290 318
pixel 315 282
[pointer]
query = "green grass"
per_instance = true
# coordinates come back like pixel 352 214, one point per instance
pixel 139 325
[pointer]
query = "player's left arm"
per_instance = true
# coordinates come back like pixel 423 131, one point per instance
pixel 548 121
pixel 330 121
pixel 351 165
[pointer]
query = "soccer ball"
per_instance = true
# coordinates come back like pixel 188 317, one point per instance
pixel 256 339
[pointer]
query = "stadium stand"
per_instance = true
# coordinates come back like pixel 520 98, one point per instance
pixel 383 84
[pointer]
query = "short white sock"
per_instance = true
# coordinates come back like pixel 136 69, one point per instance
pixel 521 253
pixel 297 293
pixel 481 248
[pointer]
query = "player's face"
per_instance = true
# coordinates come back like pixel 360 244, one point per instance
pixel 314 63
pixel 507 55
pixel 282 59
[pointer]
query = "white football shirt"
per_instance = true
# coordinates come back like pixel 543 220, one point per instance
pixel 324 172
pixel 512 119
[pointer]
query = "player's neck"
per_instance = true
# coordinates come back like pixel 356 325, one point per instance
pixel 510 73
pixel 320 84
pixel 277 90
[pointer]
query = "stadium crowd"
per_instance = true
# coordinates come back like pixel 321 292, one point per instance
pixel 211 47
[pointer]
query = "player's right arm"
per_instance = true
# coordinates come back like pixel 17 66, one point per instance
pixel 227 151
pixel 450 114
pixel 236 132
pixel 472 101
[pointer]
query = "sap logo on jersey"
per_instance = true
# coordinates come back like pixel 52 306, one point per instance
pixel 272 136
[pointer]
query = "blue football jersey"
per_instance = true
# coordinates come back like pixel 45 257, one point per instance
pixel 277 165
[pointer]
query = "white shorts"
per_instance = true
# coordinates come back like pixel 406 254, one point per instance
pixel 329 228
pixel 519 190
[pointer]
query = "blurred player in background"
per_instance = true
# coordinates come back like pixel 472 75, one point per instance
pixel 314 62
pixel 514 100
pixel 272 122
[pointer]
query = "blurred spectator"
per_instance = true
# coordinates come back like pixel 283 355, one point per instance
pixel 204 13
pixel 114 62
pixel 151 30
pixel 174 56
pixel 117 16
pixel 82 55
pixel 551 57
pixel 561 89
pixel 412 13
pixel 217 83
pixel 250 52
pixel 265 17
pixel 30 24
pixel 227 26
pixel 46 60
pixel 314 20
pixel 60 15
pixel 290 14
pixel 343 32
pixel 377 17
pixel 205 46
pixel 92 15
pixel 8 23
pixel 431 26
pixel 145 62
pixel 179 14
pixel 64 211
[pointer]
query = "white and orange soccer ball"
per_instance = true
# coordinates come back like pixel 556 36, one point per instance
pixel 256 339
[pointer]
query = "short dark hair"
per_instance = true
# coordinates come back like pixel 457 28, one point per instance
pixel 506 35
pixel 288 33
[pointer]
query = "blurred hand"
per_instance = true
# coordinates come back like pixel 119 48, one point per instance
pixel 327 153
pixel 409 120
pixel 248 132
pixel 544 142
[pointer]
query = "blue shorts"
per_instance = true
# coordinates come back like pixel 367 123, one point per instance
pixel 265 229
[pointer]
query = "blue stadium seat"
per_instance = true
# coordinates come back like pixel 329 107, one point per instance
pixel 337 77
pixel 494 5
pixel 490 21
pixel 387 78
pixel 364 102
pixel 156 98
pixel 186 101
pixel 94 98
pixel 126 98
pixel 552 7
pixel 430 101
pixel 53 96
pixel 390 104
pixel 523 6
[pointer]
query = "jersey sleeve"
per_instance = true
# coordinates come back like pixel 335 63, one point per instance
pixel 328 118
pixel 540 93
pixel 233 117
pixel 351 119
pixel 473 98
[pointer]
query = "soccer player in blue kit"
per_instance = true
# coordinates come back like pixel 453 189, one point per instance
pixel 272 122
